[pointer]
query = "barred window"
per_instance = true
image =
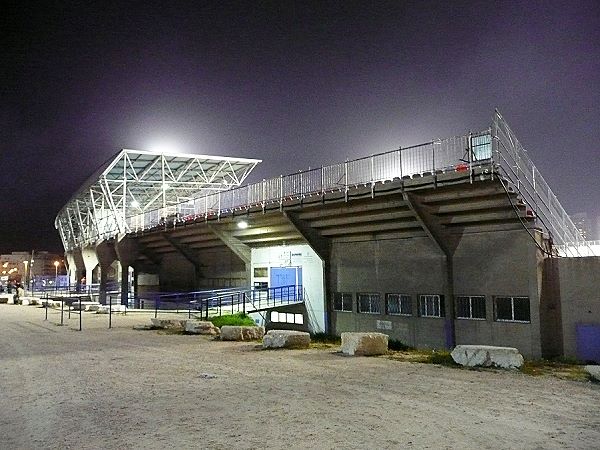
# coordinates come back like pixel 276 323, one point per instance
pixel 399 304
pixel 512 309
pixel 470 307
pixel 342 301
pixel 369 303
pixel 431 305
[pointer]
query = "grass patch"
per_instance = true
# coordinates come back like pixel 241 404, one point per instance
pixel 563 368
pixel 441 357
pixel 239 319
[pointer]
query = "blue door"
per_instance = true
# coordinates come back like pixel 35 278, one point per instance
pixel 285 276
pixel 588 342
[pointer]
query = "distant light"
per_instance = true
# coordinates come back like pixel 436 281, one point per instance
pixel 56 263
pixel 135 204
pixel 242 224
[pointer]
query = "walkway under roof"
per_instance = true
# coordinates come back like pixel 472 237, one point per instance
pixel 135 182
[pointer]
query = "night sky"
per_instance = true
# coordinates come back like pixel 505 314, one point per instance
pixel 296 84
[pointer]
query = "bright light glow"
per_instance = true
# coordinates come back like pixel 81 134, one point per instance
pixel 165 146
pixel 135 204
pixel 56 263
pixel 242 224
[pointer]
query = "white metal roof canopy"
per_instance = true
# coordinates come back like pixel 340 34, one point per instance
pixel 136 181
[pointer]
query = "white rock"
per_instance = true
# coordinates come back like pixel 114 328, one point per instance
pixel 364 344
pixel 173 324
pixel 241 333
pixel 201 327
pixel 594 372
pixel 487 356
pixel 106 309
pixel 286 339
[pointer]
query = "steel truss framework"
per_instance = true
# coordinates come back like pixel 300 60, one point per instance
pixel 139 183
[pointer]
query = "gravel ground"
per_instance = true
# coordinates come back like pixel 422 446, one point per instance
pixel 121 388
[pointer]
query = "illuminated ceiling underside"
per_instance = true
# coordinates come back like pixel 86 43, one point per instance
pixel 138 183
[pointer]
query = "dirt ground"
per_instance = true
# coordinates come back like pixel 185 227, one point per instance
pixel 122 388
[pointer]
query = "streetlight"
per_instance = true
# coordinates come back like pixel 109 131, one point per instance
pixel 56 264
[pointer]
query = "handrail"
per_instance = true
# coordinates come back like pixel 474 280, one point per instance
pixel 506 155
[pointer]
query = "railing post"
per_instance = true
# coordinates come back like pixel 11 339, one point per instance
pixel 80 313
pixel 244 304
pixel 346 180
pixel 110 311
pixel 62 303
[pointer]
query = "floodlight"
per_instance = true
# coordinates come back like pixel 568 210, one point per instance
pixel 242 224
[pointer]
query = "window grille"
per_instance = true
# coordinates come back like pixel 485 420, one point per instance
pixel 512 309
pixel 369 303
pixel 470 307
pixel 399 304
pixel 431 306
pixel 342 301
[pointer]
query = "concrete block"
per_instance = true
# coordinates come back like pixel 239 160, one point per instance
pixel 487 356
pixel 85 306
pixel 6 298
pixel 364 344
pixel 241 333
pixel 106 309
pixel 201 327
pixel 171 324
pixel 594 372
pixel 286 339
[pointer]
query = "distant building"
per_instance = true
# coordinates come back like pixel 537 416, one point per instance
pixel 22 265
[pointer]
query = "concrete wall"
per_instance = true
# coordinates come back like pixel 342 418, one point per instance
pixel 580 297
pixel 407 266
pixel 499 263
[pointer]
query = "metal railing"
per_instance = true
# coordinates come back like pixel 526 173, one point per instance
pixel 432 157
pixel 516 167
pixel 496 147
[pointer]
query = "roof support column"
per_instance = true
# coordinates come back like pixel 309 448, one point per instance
pixel 127 251
pixel 240 249
pixel 322 247
pixel 446 243
pixel 106 255
pixel 188 254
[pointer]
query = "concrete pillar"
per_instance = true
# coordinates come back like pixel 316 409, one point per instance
pixel 79 268
pixel 127 251
pixel 90 261
pixel 106 254
pixel 71 267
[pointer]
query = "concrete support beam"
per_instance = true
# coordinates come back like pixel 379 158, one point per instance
pixel 127 251
pixel 446 243
pixel 79 267
pixel 90 261
pixel 188 254
pixel 106 254
pixel 234 244
pixel 322 247
pixel 71 267
pixel 240 249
